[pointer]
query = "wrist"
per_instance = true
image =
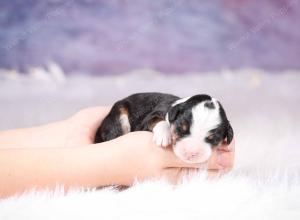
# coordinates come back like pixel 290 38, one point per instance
pixel 111 163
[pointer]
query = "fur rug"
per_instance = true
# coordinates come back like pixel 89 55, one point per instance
pixel 235 196
pixel 263 109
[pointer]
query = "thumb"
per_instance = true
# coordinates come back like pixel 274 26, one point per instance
pixel 176 175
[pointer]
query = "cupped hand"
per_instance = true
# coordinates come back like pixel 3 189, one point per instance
pixel 143 158
pixel 83 125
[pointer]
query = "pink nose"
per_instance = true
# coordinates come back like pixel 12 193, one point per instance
pixel 191 153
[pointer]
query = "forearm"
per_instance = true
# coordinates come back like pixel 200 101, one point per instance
pixel 77 130
pixel 53 134
pixel 90 166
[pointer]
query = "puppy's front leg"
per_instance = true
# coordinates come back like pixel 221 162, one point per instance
pixel 161 129
pixel 162 134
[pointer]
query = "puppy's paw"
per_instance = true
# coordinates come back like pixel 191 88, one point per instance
pixel 162 134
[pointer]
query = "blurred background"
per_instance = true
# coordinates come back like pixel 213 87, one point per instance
pixel 57 57
pixel 172 36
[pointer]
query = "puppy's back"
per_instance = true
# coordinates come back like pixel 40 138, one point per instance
pixel 127 114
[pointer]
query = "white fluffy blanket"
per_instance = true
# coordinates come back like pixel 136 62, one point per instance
pixel 264 111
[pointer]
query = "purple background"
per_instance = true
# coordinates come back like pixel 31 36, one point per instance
pixel 103 37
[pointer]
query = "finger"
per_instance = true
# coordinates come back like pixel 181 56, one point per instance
pixel 226 147
pixel 211 174
pixel 171 174
pixel 90 117
pixel 231 146
pixel 221 160
pixel 177 175
pixel 77 141
pixel 97 114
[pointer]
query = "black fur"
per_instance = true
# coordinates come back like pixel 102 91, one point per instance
pixel 222 132
pixel 181 114
pixel 144 109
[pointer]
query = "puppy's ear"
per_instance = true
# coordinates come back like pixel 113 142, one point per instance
pixel 229 133
pixel 174 112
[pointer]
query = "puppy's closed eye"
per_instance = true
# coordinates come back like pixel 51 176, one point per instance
pixel 184 126
pixel 183 129
pixel 210 137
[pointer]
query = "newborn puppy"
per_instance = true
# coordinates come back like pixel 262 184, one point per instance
pixel 192 125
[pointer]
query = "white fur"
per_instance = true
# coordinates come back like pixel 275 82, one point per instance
pixel 167 118
pixel 236 196
pixel 204 120
pixel 125 124
pixel 200 154
pixel 162 134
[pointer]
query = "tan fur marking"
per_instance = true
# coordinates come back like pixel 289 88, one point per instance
pixel 184 126
pixel 153 123
pixel 175 136
pixel 124 120
pixel 123 110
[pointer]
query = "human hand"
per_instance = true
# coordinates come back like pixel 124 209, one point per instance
pixel 75 131
pixel 35 157
pixel 83 126
pixel 139 159
pixel 222 157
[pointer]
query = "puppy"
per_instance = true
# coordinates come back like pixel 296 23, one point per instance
pixel 192 125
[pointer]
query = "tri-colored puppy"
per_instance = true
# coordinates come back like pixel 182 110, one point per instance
pixel 192 125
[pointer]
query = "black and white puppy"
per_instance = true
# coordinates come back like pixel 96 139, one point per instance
pixel 192 125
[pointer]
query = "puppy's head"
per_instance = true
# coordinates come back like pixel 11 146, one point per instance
pixel 198 124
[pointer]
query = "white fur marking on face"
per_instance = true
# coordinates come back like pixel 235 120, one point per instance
pixel 206 152
pixel 180 101
pixel 125 123
pixel 203 120
pixel 162 134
